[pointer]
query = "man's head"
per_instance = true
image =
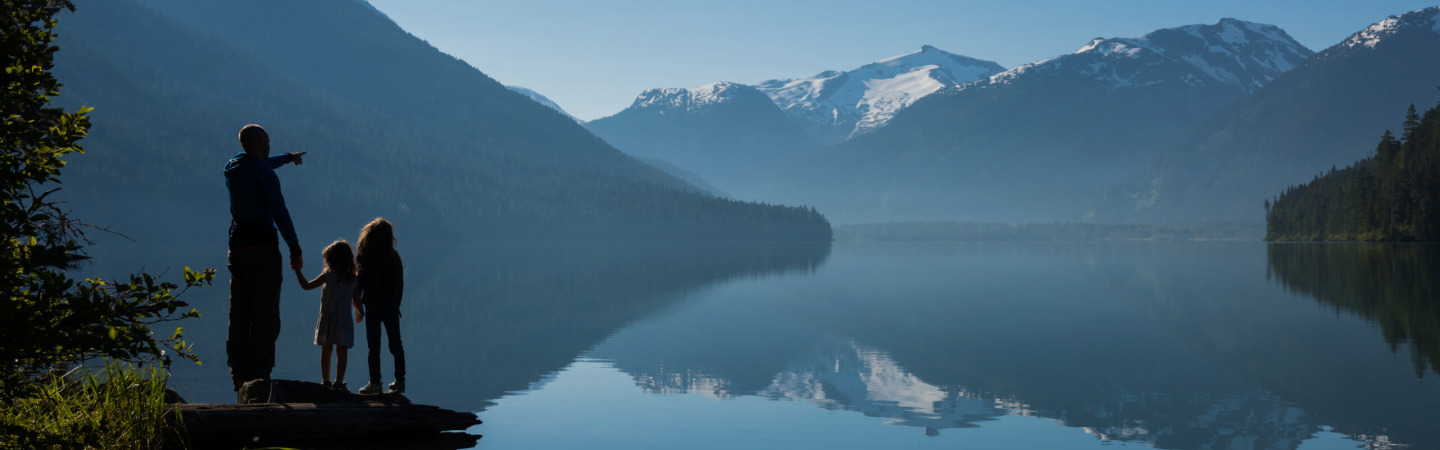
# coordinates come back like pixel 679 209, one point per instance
pixel 255 141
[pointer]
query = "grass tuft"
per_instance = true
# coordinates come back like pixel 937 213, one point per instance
pixel 118 406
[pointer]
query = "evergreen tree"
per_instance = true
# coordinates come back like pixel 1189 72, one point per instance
pixel 1393 195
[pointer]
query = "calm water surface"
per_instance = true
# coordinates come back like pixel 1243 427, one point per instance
pixel 1168 345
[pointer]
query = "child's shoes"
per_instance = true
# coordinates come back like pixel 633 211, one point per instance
pixel 340 386
pixel 325 384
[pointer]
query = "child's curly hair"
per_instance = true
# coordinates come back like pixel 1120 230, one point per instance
pixel 377 253
pixel 340 260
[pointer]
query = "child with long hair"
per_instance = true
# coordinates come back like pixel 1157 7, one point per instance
pixel 334 331
pixel 381 287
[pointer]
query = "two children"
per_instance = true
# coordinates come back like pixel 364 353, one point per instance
pixel 372 280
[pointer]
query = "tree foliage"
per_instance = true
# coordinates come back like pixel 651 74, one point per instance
pixel 48 318
pixel 1392 195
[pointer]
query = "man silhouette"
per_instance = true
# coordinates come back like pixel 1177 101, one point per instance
pixel 256 209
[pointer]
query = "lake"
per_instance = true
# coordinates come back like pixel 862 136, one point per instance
pixel 874 345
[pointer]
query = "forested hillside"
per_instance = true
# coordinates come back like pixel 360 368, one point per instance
pixel 394 128
pixel 1392 195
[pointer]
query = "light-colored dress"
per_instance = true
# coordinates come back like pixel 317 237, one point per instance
pixel 336 325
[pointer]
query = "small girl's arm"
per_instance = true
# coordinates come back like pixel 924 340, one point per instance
pixel 312 284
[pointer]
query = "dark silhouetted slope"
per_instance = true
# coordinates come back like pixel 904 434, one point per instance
pixel 395 128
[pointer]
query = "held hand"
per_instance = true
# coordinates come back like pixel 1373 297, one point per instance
pixel 360 315
pixel 298 157
pixel 296 262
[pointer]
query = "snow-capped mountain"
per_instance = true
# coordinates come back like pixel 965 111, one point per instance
pixel 1328 112
pixel 1418 20
pixel 729 134
pixel 661 100
pixel 835 106
pixel 1230 53
pixel 541 99
pixel 1035 142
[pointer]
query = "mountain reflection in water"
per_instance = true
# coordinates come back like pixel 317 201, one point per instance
pixel 1173 346
pixel 478 320
pixel 1170 345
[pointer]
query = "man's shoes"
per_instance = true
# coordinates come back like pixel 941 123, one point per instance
pixel 372 387
pixel 398 387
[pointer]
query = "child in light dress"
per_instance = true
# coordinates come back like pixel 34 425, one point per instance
pixel 335 330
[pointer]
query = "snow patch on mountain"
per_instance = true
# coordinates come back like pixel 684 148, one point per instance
pixel 1231 52
pixel 689 99
pixel 840 105
pixel 1374 34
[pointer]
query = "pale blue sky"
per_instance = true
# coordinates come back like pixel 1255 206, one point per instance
pixel 594 57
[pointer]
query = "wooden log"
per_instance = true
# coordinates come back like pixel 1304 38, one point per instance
pixel 215 425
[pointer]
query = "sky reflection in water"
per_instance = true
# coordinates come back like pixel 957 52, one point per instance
pixel 1171 345
pixel 1167 345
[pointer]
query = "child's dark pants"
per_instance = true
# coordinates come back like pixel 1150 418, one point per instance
pixel 374 318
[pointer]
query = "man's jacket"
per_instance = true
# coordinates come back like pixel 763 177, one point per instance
pixel 256 205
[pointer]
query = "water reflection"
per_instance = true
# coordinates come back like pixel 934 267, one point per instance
pixel 479 320
pixel 504 317
pixel 858 378
pixel 1393 285
pixel 1174 346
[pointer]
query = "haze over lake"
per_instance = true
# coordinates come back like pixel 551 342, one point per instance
pixel 1170 345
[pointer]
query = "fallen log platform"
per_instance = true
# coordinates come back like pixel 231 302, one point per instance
pixel 344 420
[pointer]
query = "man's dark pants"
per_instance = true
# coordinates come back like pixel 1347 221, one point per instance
pixel 255 278
pixel 390 318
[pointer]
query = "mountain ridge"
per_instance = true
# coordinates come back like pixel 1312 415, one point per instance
pixel 1037 142
pixel 542 99
pixel 835 106
pixel 729 134
pixel 1327 112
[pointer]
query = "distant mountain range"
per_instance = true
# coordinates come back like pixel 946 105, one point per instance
pixel 729 134
pixel 1039 142
pixel 394 128
pixel 836 106
pixel 1194 123
pixel 1197 123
